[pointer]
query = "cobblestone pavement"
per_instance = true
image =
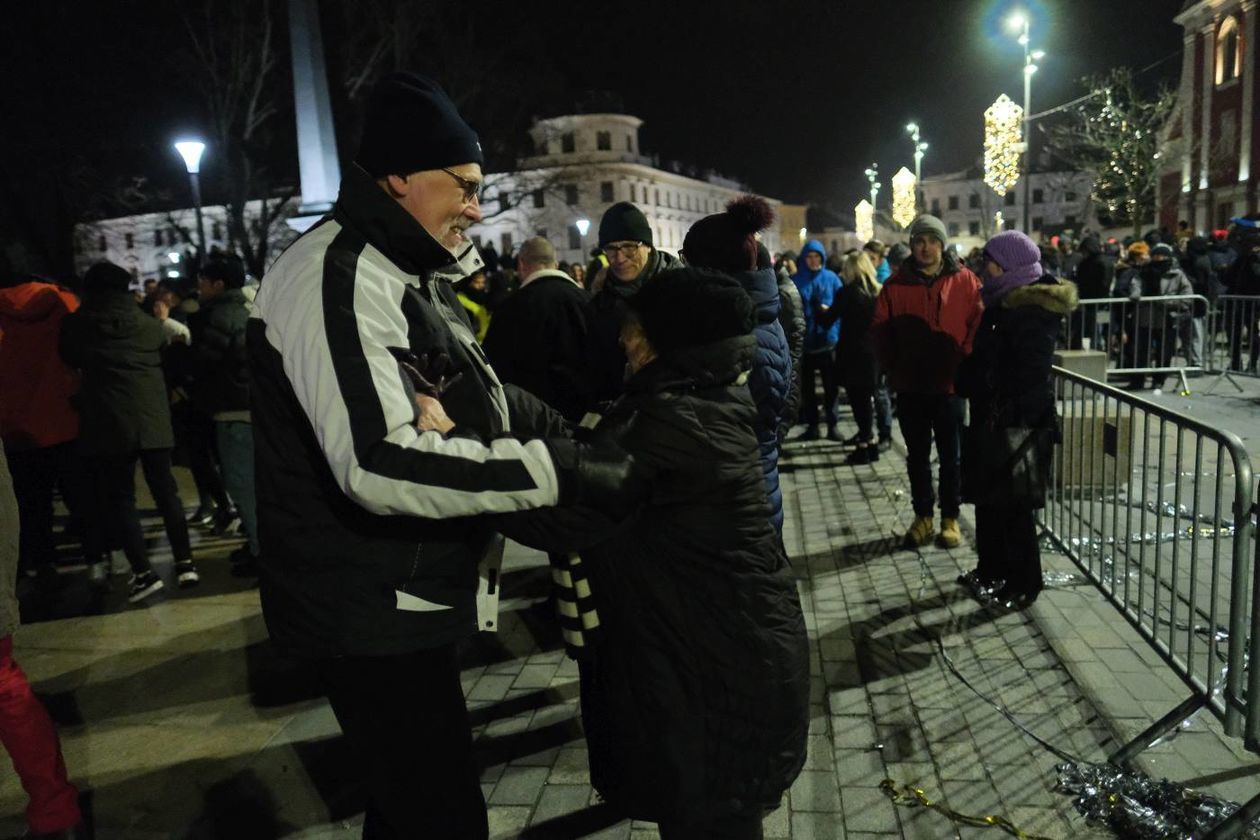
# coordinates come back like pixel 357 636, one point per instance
pixel 182 724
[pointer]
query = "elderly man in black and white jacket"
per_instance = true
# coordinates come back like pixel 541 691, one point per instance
pixel 372 496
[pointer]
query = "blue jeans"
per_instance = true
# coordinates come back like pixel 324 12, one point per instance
pixel 236 457
pixel 924 417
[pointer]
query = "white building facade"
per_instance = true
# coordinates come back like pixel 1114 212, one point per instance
pixel 1060 202
pixel 582 165
pixel 158 245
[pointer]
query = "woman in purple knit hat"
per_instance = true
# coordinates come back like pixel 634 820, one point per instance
pixel 1007 380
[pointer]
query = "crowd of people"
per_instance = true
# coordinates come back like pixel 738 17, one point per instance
pixel 392 403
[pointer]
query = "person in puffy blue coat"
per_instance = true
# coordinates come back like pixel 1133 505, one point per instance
pixel 727 242
pixel 818 287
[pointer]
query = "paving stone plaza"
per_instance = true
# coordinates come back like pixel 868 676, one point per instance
pixel 178 721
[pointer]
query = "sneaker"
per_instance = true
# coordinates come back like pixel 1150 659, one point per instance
pixel 833 433
pixel 950 536
pixel 921 532
pixel 885 443
pixel 203 516
pixel 186 574
pixel 226 524
pixel 142 586
pixel 810 433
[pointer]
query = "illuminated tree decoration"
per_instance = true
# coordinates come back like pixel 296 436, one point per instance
pixel 864 213
pixel 903 197
pixel 1003 130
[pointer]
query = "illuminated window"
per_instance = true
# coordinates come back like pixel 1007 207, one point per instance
pixel 1229 48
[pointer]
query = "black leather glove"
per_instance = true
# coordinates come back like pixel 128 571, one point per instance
pixel 601 477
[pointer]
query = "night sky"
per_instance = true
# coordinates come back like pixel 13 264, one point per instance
pixel 794 97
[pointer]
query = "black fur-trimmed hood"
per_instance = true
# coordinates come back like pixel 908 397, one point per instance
pixel 1049 293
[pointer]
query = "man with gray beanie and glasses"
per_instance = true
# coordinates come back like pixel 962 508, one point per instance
pixel 925 320
pixel 378 551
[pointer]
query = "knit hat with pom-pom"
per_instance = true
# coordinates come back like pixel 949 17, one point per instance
pixel 728 241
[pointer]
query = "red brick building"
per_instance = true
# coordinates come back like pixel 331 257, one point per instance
pixel 1213 143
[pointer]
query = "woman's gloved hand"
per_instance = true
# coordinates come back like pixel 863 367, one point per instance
pixel 599 476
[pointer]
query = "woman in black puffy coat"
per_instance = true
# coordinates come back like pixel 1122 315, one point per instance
pixel 1007 380
pixel 854 306
pixel 695 698
pixel 727 242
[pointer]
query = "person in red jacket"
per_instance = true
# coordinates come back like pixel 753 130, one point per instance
pixel 925 320
pixel 40 428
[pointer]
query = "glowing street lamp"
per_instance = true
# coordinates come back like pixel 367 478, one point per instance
pixel 802 235
pixel 1002 124
pixel 191 151
pixel 1021 22
pixel 872 178
pixel 582 225
pixel 920 147
pixel 903 184
pixel 864 215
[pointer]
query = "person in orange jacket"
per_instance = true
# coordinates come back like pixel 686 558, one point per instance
pixel 924 324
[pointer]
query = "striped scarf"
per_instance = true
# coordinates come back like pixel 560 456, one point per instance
pixel 575 605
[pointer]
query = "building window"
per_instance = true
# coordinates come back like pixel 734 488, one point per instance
pixel 1069 196
pixel 633 193
pixel 656 194
pixel 1037 222
pixel 953 226
pixel 575 238
pixel 603 141
pixel 100 243
pixel 953 204
pixel 542 148
pixel 1224 212
pixel 606 191
pixel 973 228
pixel 629 142
pixel 217 232
pixel 505 245
pixel 158 239
pixel 538 198
pixel 1070 221
pixel 1039 196
pixel 1010 199
pixel 973 200
pixel 541 232
pixel 1228 51
pixel 567 142
pixel 505 200
pixel 570 194
pixel 1009 224
pixel 130 239
pixel 936 207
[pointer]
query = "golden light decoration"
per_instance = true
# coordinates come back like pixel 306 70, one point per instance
pixel 864 213
pixel 1003 144
pixel 903 182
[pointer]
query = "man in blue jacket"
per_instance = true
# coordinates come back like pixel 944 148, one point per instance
pixel 818 287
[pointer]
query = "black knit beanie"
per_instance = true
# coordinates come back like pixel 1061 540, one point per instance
pixel 226 269
pixel 411 126
pixel 106 277
pixel 687 307
pixel 728 241
pixel 623 222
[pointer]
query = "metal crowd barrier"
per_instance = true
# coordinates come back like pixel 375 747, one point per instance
pixel 1143 337
pixel 1155 509
pixel 1233 336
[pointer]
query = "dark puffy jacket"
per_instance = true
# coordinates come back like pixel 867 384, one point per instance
pixel 792 319
pixel 1096 272
pixel 122 402
pixel 696 700
pixel 770 379
pixel 220 361
pixel 606 374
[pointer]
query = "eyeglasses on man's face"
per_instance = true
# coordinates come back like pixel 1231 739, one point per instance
pixel 472 189
pixel 625 249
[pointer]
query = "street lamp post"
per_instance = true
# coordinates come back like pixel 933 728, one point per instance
pixel 1020 22
pixel 191 151
pixel 920 147
pixel 872 178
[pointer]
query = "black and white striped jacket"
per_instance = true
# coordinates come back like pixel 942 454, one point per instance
pixel 372 532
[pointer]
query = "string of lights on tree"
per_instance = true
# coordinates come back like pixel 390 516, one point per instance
pixel 1003 143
